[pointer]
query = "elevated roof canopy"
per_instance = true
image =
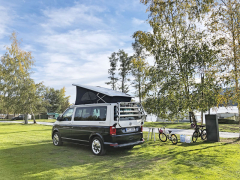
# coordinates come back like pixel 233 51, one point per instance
pixel 95 94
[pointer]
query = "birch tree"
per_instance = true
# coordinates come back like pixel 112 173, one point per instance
pixel 124 70
pixel 174 43
pixel 112 71
pixel 225 26
pixel 15 71
pixel 139 70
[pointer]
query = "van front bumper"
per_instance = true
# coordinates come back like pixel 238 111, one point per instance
pixel 116 145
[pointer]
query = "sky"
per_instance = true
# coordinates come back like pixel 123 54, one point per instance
pixel 72 40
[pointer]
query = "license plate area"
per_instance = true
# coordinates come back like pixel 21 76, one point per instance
pixel 131 129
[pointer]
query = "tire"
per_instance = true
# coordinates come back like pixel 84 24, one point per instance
pixel 194 136
pixel 204 134
pixel 163 137
pixel 57 141
pixel 174 139
pixel 97 146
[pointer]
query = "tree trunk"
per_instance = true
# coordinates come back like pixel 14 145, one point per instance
pixel 34 121
pixel 193 117
pixel 25 118
pixel 202 82
pixel 139 92
pixel 190 117
pixel 239 119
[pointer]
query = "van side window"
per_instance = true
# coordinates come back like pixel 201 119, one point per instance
pixel 67 116
pixel 78 114
pixel 99 113
pixel 91 113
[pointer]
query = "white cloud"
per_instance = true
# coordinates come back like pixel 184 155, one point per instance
pixel 5 19
pixel 70 16
pixel 78 41
pixel 137 22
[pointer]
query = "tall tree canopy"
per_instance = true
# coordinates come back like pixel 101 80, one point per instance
pixel 124 61
pixel 224 24
pixel 56 100
pixel 175 44
pixel 15 77
pixel 112 71
pixel 139 70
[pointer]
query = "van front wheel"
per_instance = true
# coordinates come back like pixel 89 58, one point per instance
pixel 97 146
pixel 57 141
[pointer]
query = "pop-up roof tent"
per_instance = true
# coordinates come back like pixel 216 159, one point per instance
pixel 96 94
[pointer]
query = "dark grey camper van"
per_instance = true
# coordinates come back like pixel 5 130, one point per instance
pixel 101 118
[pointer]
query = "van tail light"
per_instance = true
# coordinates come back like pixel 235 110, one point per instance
pixel 141 129
pixel 112 130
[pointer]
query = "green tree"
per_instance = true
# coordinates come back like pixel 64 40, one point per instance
pixel 30 98
pixel 56 100
pixel 139 70
pixel 124 70
pixel 112 71
pixel 225 25
pixel 15 66
pixel 174 43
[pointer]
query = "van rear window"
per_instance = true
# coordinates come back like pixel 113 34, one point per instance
pixel 130 114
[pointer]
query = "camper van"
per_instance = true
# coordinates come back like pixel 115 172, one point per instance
pixel 101 118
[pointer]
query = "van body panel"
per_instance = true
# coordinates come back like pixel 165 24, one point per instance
pixel 92 120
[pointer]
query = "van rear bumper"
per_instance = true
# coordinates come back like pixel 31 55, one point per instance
pixel 116 145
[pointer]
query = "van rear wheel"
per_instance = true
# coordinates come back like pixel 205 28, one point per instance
pixel 97 146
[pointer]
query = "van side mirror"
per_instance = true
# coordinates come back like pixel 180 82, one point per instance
pixel 59 118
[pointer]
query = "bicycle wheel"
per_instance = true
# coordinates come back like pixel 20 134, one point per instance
pixel 195 136
pixel 204 134
pixel 174 139
pixel 163 137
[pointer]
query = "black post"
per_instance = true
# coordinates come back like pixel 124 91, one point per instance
pixel 212 128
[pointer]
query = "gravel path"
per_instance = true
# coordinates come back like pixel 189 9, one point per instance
pixel 190 132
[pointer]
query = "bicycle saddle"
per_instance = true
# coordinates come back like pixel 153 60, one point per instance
pixel 169 132
pixel 202 126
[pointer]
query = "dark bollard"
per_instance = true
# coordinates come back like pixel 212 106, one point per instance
pixel 212 128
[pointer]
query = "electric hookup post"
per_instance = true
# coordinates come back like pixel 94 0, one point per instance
pixel 152 131
pixel 212 128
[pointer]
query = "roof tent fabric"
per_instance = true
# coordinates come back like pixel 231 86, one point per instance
pixel 93 94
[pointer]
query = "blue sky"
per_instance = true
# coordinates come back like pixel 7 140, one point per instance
pixel 72 40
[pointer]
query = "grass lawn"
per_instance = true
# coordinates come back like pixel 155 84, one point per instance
pixel 37 120
pixel 27 152
pixel 222 127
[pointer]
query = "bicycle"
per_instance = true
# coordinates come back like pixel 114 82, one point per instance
pixel 199 132
pixel 163 136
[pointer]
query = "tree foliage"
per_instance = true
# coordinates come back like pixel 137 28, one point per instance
pixel 178 50
pixel 224 24
pixel 15 77
pixel 18 92
pixel 139 70
pixel 56 101
pixel 124 70
pixel 112 71
pixel 124 61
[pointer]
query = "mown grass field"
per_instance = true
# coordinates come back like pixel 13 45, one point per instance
pixel 222 127
pixel 37 120
pixel 27 152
